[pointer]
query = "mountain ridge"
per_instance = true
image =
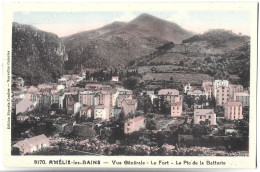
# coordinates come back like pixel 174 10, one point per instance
pixel 115 44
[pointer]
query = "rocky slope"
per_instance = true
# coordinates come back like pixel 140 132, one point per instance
pixel 37 56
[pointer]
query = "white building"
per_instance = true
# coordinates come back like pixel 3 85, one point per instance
pixel 101 112
pixel 115 78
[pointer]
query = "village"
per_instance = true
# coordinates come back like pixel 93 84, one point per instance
pixel 79 115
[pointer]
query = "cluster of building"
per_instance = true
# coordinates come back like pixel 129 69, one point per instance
pixel 103 102
pixel 95 100
pixel 230 96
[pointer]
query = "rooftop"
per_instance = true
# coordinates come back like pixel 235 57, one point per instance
pixel 136 119
pixel 32 89
pixel 203 111
pixel 234 103
pixel 177 104
pixel 168 92
pixel 130 101
pixel 242 94
pixel 27 143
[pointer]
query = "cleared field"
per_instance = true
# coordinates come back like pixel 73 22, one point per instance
pixel 177 77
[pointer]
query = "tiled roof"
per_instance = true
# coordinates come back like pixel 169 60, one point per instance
pixel 32 89
pixel 25 103
pixel 242 94
pixel 71 103
pixel 27 143
pixel 196 91
pixel 177 104
pixel 168 92
pixel 130 101
pixel 234 103
pixel 123 96
pixel 139 118
pixel 203 111
pixel 85 107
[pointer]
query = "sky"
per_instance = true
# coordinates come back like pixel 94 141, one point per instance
pixel 68 23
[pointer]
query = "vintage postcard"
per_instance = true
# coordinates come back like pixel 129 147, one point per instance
pixel 129 85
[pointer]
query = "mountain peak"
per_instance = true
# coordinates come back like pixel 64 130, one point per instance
pixel 145 15
pixel 145 18
pixel 160 28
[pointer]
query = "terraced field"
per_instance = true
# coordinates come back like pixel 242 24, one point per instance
pixel 180 77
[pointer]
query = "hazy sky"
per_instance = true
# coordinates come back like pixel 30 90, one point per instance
pixel 67 23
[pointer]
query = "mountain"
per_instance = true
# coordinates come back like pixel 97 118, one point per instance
pixel 116 44
pixel 159 28
pixel 37 56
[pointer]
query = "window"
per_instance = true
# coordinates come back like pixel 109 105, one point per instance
pixel 128 124
pixel 222 98
pixel 200 117
pixel 209 117
pixel 177 108
pixel 173 108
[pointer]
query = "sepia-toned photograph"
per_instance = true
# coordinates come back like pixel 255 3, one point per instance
pixel 166 83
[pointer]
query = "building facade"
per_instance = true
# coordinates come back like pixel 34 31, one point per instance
pixel 243 97
pixel 129 106
pixel 134 124
pixel 206 115
pixel 233 110
pixel 219 83
pixel 222 95
pixel 176 109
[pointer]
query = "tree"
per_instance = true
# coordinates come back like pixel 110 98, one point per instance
pixel 150 124
pixel 121 118
pixel 165 106
pixel 54 106
pixel 189 100
pixel 212 101
pixel 181 63
pixel 131 83
pixel 145 103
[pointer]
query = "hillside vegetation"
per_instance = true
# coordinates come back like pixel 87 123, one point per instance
pixel 37 56
pixel 217 54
